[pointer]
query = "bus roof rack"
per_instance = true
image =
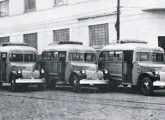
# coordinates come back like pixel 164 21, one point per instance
pixel 70 42
pixel 133 41
pixel 14 44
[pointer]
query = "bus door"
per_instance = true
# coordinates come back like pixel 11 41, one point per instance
pixel 3 66
pixel 115 60
pixel 127 66
pixel 50 64
pixel 61 65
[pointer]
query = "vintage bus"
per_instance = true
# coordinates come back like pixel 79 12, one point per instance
pixel 18 66
pixel 71 63
pixel 134 63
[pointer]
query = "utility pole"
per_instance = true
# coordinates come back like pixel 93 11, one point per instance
pixel 118 21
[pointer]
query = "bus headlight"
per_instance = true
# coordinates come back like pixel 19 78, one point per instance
pixel 19 75
pixel 42 71
pixel 82 71
pixel 156 72
pixel 106 71
pixel 19 72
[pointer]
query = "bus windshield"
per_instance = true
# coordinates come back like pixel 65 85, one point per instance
pixel 15 57
pixel 89 57
pixel 29 57
pixel 143 56
pixel 157 57
pixel 146 56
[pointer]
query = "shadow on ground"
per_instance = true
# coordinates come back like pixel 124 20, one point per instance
pixel 86 90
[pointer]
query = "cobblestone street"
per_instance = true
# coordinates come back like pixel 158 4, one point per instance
pixel 62 104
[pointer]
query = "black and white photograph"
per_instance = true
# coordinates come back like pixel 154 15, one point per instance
pixel 82 59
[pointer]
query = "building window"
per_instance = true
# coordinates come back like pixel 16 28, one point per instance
pixel 31 39
pixel 30 5
pixel 99 35
pixel 161 41
pixel 61 35
pixel 60 2
pixel 4 39
pixel 4 8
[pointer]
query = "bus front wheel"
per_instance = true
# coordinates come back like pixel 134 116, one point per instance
pixel 146 86
pixel 76 83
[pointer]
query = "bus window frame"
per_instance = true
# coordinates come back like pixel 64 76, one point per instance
pixel 71 54
pixel 91 61
pixel 149 58
pixel 32 59
pixel 50 56
pixel 23 56
pixel 155 58
pixel 11 57
pixel 116 56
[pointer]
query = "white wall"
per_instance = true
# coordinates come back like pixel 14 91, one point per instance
pixel 44 39
pixel 135 23
pixel 139 24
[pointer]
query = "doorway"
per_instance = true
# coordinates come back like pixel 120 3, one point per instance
pixel 128 57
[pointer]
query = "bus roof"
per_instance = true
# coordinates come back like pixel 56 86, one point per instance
pixel 69 47
pixel 14 44
pixel 133 46
pixel 18 49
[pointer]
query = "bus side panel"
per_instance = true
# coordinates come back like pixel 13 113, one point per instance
pixel 3 58
pixel 115 69
pixel 135 74
pixel 0 69
pixel 52 69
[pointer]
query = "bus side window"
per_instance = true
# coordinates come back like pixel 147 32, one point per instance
pixel 103 56
pixel 4 56
pixel 44 56
pixel 118 56
pixel 62 57
pixel 110 56
pixel 55 56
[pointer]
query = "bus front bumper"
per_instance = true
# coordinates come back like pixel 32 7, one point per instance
pixel 30 81
pixel 159 83
pixel 93 82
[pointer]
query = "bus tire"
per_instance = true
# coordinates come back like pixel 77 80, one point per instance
pixel 146 86
pixel 76 83
pixel 13 84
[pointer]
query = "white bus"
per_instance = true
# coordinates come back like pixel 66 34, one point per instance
pixel 18 66
pixel 134 63
pixel 73 64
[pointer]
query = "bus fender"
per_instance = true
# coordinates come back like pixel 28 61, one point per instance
pixel 150 74
pixel 15 73
pixel 79 74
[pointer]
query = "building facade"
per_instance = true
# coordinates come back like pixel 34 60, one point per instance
pixel 41 22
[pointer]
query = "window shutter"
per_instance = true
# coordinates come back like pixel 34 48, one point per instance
pixel 4 8
pixel 30 5
pixel 4 39
pixel 61 35
pixel 31 39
